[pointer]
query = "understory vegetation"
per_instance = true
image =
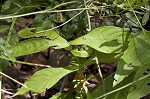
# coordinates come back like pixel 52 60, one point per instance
pixel 75 49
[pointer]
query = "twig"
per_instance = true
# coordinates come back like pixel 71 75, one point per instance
pixel 62 23
pixel 31 64
pixel 6 92
pixel 88 18
pixel 13 80
pixel 44 11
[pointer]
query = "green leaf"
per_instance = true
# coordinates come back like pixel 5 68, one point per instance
pixel 106 39
pixel 62 95
pixel 132 21
pixel 31 46
pixel 98 90
pixel 45 78
pixel 145 19
pixel 52 35
pixel 142 87
pixel 103 58
pixel 136 55
pixel 4 64
pixel 78 53
pixel 3 28
pixel 110 57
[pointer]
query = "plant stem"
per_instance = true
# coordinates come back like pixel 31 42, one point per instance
pixel 11 29
pixel 13 80
pixel 62 23
pixel 31 64
pixel 88 17
pixel 44 11
pixel 6 92
pixel 100 74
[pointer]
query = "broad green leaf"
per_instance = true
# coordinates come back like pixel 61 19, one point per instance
pixel 98 90
pixel 4 64
pixel 106 39
pixel 110 57
pixel 103 58
pixel 6 52
pixel 78 53
pixel 45 78
pixel 52 35
pixel 145 19
pixel 4 49
pixel 131 19
pixel 31 46
pixel 3 28
pixel 136 55
pixel 26 33
pixel 142 87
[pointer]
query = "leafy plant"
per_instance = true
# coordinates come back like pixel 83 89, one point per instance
pixel 117 35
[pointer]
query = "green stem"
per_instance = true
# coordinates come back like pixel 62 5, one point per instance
pixel 62 23
pixel 44 11
pixel 31 64
pixel 11 29
pixel 101 76
pixel 88 17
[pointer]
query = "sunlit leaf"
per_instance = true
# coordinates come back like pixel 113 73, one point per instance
pixel 78 53
pixel 136 55
pixel 45 78
pixel 31 46
pixel 52 35
pixel 106 39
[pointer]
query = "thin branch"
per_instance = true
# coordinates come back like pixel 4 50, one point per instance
pixel 27 63
pixel 13 80
pixel 44 11
pixel 88 18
